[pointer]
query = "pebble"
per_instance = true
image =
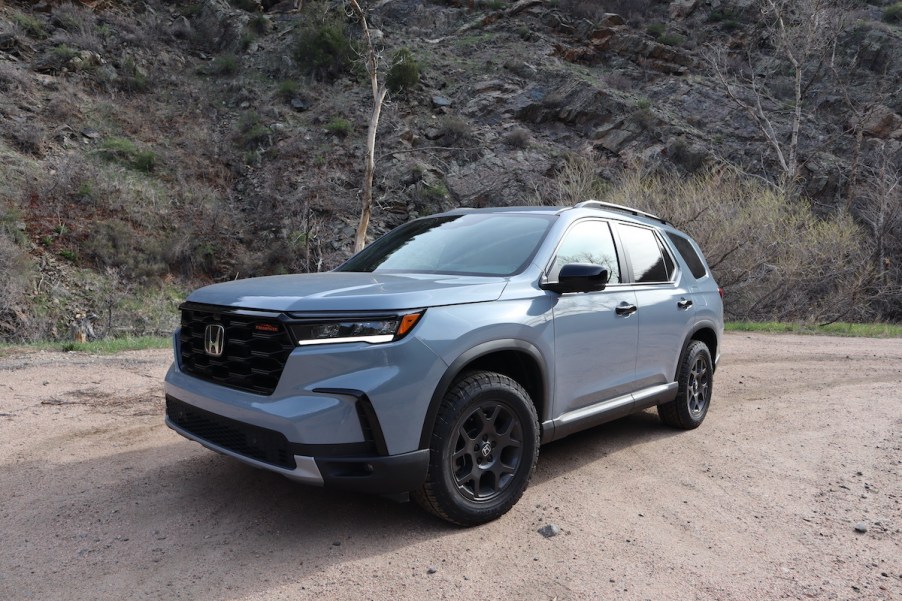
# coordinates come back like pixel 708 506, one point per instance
pixel 861 527
pixel 431 570
pixel 549 530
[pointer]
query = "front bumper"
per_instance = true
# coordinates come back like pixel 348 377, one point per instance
pixel 344 466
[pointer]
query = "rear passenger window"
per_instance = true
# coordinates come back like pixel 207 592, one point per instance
pixel 687 251
pixel 649 260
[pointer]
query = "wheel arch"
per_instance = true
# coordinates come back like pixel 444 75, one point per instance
pixel 517 359
pixel 704 333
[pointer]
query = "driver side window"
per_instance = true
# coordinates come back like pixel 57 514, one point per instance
pixel 588 241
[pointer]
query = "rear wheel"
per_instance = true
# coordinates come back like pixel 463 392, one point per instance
pixel 696 379
pixel 483 450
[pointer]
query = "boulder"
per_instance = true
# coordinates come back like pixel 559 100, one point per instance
pixel 882 122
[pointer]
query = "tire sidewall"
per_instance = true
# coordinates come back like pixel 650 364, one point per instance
pixel 696 350
pixel 461 402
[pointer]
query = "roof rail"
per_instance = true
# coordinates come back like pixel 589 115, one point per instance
pixel 588 204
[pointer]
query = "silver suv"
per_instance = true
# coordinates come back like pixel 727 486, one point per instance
pixel 438 359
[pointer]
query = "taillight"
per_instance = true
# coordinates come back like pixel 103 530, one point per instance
pixel 720 292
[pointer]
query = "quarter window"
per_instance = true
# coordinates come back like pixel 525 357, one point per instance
pixel 685 248
pixel 649 260
pixel 587 242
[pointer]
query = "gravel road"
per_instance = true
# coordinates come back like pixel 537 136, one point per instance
pixel 792 488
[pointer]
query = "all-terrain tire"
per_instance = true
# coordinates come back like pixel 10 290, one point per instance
pixel 483 450
pixel 696 380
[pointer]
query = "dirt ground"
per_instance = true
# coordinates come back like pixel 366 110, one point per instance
pixel 803 443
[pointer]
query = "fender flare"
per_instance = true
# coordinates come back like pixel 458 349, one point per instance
pixel 702 325
pixel 467 357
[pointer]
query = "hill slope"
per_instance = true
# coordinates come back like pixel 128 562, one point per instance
pixel 149 147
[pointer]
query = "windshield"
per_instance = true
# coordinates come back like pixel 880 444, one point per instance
pixel 490 244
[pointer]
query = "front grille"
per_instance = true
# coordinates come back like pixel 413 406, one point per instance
pixel 257 443
pixel 254 354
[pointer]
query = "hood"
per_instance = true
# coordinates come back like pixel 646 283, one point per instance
pixel 348 291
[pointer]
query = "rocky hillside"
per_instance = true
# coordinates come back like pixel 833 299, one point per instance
pixel 147 147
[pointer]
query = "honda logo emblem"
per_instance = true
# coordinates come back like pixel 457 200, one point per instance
pixel 214 340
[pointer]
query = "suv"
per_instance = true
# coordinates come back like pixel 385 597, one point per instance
pixel 439 358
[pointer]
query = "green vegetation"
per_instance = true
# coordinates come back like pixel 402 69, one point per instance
pixel 288 89
pixel 252 134
pixel 339 126
pixel 893 13
pixel 323 49
pixel 656 30
pixel 860 330
pixel 404 73
pixel 672 39
pixel 144 161
pixel 726 18
pixel 127 153
pixel 225 65
pixel 30 25
pixel 64 53
pixel 132 78
pixel 108 346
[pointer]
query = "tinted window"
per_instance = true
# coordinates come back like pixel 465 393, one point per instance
pixel 587 242
pixel 648 259
pixel 687 251
pixel 470 244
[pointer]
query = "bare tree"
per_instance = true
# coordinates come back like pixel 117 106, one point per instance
pixel 379 89
pixel 801 37
pixel 879 206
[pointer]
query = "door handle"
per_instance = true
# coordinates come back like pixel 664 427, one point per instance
pixel 684 303
pixel 625 309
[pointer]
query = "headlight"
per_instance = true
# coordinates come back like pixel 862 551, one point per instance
pixel 374 330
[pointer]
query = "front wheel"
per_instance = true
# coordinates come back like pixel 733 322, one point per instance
pixel 696 379
pixel 483 450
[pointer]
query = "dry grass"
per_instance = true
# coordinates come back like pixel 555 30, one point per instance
pixel 776 259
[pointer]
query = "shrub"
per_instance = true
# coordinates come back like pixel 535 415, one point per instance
pixel 124 151
pixel 672 39
pixel 339 126
pixel 404 72
pixel 517 138
pixel 226 65
pixel 323 50
pixel 113 244
pixel 27 137
pixel 252 134
pixel 288 89
pixel 776 259
pixel 656 30
pixel 30 25
pixel 121 149
pixel 578 180
pixel 727 18
pixel 455 131
pixel 893 13
pixel 144 161
pixel 259 24
pixel 132 78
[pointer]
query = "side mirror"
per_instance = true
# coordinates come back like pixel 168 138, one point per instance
pixel 579 277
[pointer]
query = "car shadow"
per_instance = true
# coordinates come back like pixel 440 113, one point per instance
pixel 577 450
